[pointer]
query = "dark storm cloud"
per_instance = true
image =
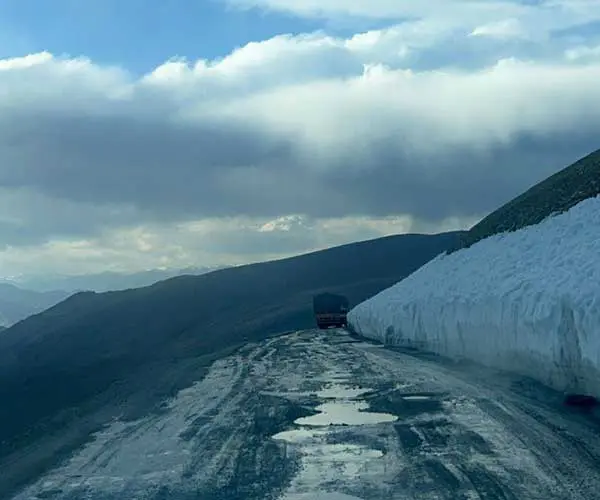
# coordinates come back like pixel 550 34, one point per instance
pixel 226 169
pixel 152 164
pixel 462 183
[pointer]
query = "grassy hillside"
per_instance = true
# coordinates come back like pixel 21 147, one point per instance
pixel 557 193
pixel 142 344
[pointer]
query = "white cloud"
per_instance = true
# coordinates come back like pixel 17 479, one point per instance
pixel 292 143
pixel 536 17
pixel 583 53
pixel 507 28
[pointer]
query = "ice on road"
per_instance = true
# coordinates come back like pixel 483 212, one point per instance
pixel 322 415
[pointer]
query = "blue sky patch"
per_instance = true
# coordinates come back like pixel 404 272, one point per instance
pixel 137 34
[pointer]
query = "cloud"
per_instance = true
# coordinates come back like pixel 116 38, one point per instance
pixel 218 241
pixel 581 53
pixel 539 15
pixel 507 28
pixel 426 121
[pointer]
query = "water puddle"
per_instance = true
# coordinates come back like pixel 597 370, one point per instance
pixel 342 406
pixel 337 376
pixel 320 496
pixel 345 413
pixel 325 463
pixel 416 398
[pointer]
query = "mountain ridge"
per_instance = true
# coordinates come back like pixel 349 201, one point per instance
pixel 104 281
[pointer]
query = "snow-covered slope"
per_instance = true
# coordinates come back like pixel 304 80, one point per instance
pixel 526 301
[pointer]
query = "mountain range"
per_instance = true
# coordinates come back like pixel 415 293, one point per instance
pixel 102 282
pixel 17 303
pixel 29 295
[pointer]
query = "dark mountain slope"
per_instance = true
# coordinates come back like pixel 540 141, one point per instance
pixel 555 194
pixel 144 343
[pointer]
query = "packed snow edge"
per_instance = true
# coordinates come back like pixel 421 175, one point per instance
pixel 526 301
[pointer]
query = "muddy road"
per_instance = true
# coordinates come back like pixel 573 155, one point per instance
pixel 323 415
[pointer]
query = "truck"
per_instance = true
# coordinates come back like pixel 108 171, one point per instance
pixel 330 309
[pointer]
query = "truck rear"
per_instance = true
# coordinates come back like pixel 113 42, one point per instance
pixel 330 310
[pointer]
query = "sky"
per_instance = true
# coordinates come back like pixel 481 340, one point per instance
pixel 145 134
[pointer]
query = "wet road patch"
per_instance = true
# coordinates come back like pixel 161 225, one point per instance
pixel 409 438
pixel 487 484
pixel 262 465
pixel 406 405
pixel 367 440
pixel 332 448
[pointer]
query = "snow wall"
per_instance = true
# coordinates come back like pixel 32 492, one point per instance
pixel 526 301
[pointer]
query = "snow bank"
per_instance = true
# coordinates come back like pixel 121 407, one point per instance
pixel 527 301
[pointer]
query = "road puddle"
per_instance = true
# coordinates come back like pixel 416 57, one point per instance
pixel 324 462
pixel 320 496
pixel 345 413
pixel 342 406
pixel 416 398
